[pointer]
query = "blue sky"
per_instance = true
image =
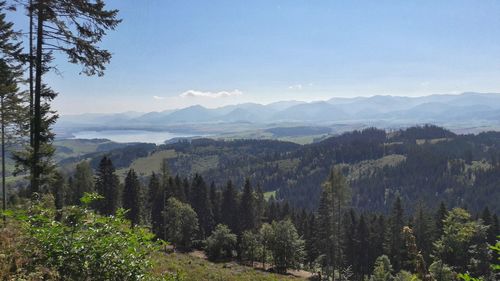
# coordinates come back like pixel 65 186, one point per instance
pixel 170 54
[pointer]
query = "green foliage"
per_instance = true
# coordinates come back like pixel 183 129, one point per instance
pixel 441 271
pixel 463 244
pixel 82 181
pixel 87 246
pixel 181 224
pixel 107 185
pixel 250 246
pixel 221 244
pixel 382 270
pixel 287 248
pixel 132 198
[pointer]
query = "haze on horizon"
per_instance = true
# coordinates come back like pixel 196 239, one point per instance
pixel 173 54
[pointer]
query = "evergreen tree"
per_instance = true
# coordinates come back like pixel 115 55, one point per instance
pixel 187 189
pixel 260 204
pixel 423 232
pixel 107 185
pixel 394 247
pixel 463 244
pixel 229 207
pixel 440 216
pixel 59 191
pixel 82 181
pixel 152 193
pixel 350 257
pixel 382 270
pixel 489 221
pixel 310 239
pixel 361 248
pixel 158 199
pixel 12 113
pixel 73 28
pixel 334 198
pixel 247 209
pixel 178 189
pixel 201 205
pixel 215 203
pixel 377 238
pixel 132 198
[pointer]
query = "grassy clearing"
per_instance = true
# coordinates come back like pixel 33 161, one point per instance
pixel 267 195
pixel 366 167
pixel 144 166
pixel 198 269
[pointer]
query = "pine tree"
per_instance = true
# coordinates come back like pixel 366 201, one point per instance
pixel 247 209
pixel 82 181
pixel 377 238
pixel 394 244
pixel 12 101
pixel 423 229
pixel 215 202
pixel 325 231
pixel 201 205
pixel 59 191
pixel 334 199
pixel 12 114
pixel 187 189
pixel 348 245
pixel 488 221
pixel 310 238
pixel 229 207
pixel 361 248
pixel 260 206
pixel 158 198
pixel 440 216
pixel 132 198
pixel 179 189
pixel 73 28
pixel 107 185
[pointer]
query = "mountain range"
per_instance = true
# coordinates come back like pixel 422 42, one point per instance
pixel 466 109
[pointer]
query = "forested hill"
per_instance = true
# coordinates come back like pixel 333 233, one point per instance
pixel 420 164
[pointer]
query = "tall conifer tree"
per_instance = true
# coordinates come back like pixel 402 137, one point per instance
pixel 107 185
pixel 132 198
pixel 247 208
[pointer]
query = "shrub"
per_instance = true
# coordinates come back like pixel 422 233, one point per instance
pixel 85 245
pixel 221 244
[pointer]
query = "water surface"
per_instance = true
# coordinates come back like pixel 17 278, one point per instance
pixel 130 135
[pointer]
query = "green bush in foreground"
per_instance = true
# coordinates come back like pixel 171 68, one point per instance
pixel 86 246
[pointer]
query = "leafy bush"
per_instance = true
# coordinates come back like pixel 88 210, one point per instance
pixel 221 244
pixel 86 246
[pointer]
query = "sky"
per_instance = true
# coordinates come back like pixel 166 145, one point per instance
pixel 172 54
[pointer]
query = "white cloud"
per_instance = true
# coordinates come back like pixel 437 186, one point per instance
pixel 213 95
pixel 295 87
pixel 158 98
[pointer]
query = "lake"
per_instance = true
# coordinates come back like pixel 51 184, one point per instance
pixel 130 135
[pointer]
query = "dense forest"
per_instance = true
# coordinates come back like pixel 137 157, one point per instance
pixel 414 204
pixel 336 240
pixel 419 164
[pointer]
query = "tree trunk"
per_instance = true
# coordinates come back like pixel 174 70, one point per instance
pixel 31 71
pixel 37 120
pixel 4 193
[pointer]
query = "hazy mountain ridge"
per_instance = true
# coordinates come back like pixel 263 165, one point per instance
pixel 439 109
